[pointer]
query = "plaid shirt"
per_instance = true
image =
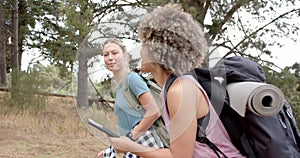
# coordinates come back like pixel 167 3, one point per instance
pixel 146 139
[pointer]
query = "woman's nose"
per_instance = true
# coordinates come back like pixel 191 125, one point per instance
pixel 110 56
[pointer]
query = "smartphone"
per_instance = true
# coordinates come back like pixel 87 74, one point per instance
pixel 102 128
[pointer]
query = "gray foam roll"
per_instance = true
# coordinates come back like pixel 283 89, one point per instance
pixel 260 98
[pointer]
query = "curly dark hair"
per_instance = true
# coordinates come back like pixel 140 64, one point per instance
pixel 175 40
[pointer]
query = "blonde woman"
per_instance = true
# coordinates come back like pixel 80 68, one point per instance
pixel 173 44
pixel 130 121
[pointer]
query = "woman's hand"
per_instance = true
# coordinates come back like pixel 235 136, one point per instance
pixel 121 144
pixel 100 154
pixel 124 144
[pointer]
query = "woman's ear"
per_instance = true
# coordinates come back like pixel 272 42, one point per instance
pixel 126 59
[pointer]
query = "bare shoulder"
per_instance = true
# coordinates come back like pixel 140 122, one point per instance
pixel 184 92
pixel 181 91
pixel 183 85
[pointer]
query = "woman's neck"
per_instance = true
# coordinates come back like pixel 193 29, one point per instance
pixel 119 75
pixel 160 76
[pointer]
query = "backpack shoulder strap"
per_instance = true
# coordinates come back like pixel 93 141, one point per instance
pixel 169 82
pixel 201 123
pixel 158 126
pixel 130 97
pixel 287 110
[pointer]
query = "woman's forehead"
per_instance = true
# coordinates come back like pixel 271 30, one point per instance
pixel 111 46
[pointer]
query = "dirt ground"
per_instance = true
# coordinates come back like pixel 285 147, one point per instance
pixel 54 133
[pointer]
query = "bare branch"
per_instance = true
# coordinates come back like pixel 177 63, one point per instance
pixel 213 33
pixel 113 5
pixel 207 4
pixel 261 28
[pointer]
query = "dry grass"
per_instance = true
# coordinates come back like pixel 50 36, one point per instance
pixel 58 118
pixel 56 131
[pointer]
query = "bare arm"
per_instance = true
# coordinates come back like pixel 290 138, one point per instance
pixel 183 105
pixel 152 113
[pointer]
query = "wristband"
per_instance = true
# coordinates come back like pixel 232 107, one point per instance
pixel 129 135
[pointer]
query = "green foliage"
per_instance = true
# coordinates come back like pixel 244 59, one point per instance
pixel 31 88
pixel 52 80
pixel 287 82
pixel 25 93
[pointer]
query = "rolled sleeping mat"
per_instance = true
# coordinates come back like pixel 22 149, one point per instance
pixel 260 98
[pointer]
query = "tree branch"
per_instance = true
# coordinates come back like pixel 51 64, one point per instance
pixel 213 33
pixel 114 5
pixel 261 28
pixel 207 4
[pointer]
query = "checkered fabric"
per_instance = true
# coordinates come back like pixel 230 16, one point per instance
pixel 146 139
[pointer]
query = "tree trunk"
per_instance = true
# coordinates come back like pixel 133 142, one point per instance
pixel 20 52
pixel 15 52
pixel 2 47
pixel 82 91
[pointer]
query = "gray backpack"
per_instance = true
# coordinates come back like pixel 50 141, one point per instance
pixel 159 126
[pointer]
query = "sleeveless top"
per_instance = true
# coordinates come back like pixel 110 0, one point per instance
pixel 215 130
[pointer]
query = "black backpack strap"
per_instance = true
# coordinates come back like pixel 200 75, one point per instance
pixel 202 122
pixel 201 135
pixel 169 82
pixel 212 146
pixel 287 110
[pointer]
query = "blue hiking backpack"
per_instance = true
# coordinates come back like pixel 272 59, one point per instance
pixel 254 136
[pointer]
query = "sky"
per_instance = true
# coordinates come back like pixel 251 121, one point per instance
pixel 284 56
pixel 287 55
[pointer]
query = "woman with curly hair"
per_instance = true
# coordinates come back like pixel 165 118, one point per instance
pixel 173 43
